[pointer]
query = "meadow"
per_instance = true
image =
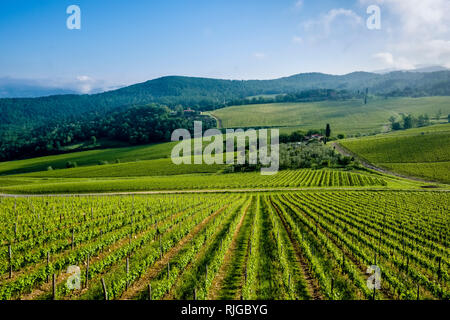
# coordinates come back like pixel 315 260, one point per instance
pixel 346 117
pixel 284 245
pixel 88 158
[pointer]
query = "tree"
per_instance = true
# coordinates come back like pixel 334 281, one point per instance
pixel 392 119
pixel 438 114
pixel 327 132
pixel 396 126
pixel 93 140
pixel 448 118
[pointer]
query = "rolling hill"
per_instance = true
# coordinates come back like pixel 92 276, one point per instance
pixel 420 152
pixel 347 117
pixel 204 93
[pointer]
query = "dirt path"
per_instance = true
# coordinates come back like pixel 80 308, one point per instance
pixel 344 151
pixel 143 282
pixel 218 121
pixel 219 279
pixel 311 285
pixel 215 191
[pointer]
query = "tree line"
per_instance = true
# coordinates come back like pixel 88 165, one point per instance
pixel 133 125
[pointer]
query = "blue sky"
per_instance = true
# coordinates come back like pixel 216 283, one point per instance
pixel 123 42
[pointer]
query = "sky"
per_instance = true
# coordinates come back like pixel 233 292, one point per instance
pixel 124 42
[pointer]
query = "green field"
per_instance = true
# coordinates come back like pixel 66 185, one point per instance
pixel 250 246
pixel 157 167
pixel 88 158
pixel 347 117
pixel 422 152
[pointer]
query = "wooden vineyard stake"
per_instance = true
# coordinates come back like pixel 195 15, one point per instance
pixel 149 292
pixel 87 270
pixel 54 287
pixel 10 261
pixel 128 270
pixel 105 292
pixel 48 263
pixel 332 288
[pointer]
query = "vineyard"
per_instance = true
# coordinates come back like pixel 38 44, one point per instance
pixel 283 179
pixel 281 245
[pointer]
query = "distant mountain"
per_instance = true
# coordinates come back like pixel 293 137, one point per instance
pixel 418 68
pixel 24 88
pixel 34 88
pixel 430 69
pixel 207 94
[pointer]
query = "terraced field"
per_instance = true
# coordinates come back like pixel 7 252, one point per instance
pixel 286 245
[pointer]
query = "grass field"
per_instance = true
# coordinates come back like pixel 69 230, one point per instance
pixel 421 152
pixel 347 117
pixel 285 245
pixel 157 167
pixel 88 158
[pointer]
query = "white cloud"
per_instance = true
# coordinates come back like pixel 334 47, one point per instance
pixel 84 78
pixel 299 4
pixel 385 57
pixel 418 30
pixel 324 22
pixel 259 55
pixel 388 60
pixel 85 83
pixel 297 39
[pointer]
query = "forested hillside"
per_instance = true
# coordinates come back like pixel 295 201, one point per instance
pixel 207 94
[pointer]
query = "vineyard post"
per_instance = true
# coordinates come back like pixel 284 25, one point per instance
pixel 87 270
pixel 10 261
pixel 149 291
pixel 128 270
pixel 332 288
pixel 160 247
pixel 289 282
pixel 206 274
pixel 54 287
pixel 73 237
pixel 418 297
pixel 374 292
pixel 105 292
pixel 168 270
pixel 245 273
pixel 439 270
pixel 48 263
pixel 195 294
pixel 15 230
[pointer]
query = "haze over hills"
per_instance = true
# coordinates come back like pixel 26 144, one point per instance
pixel 418 68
